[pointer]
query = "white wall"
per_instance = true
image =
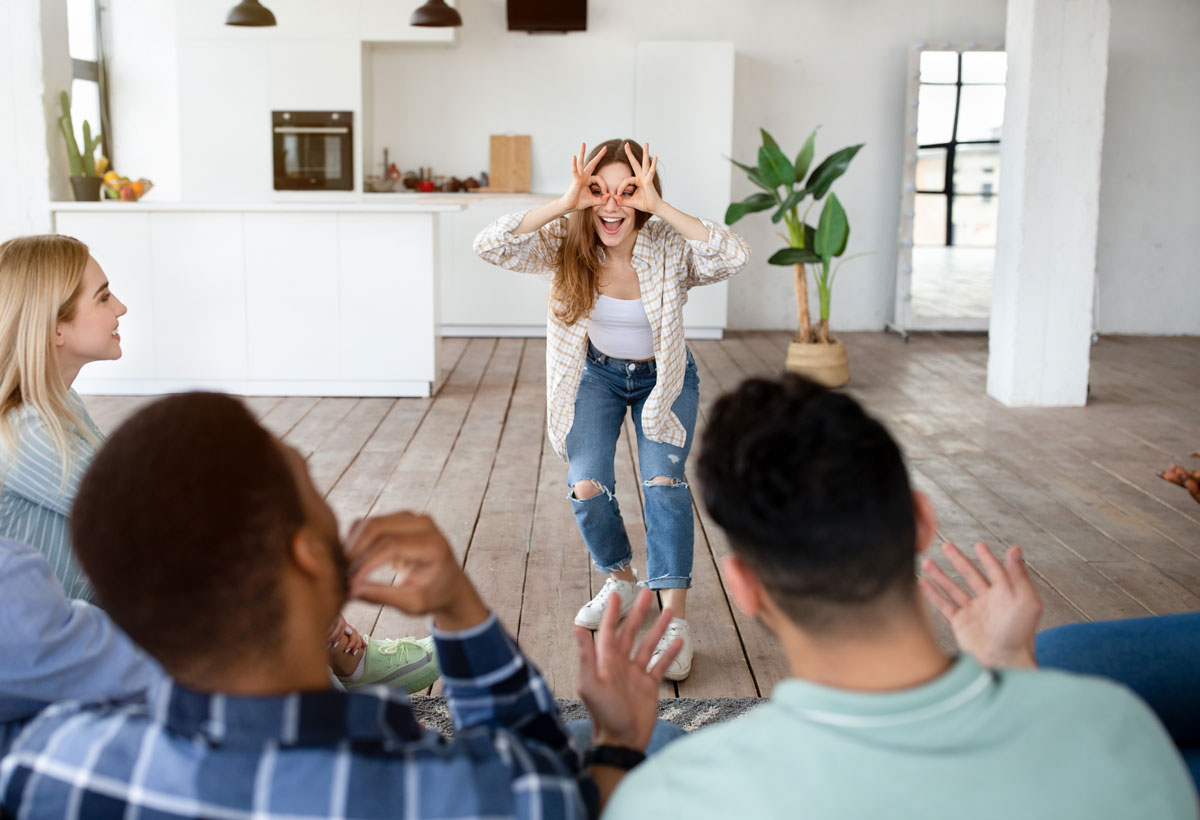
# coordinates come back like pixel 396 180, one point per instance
pixel 1149 280
pixel 799 64
pixel 34 67
pixel 143 96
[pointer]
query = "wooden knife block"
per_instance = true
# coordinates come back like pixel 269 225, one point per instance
pixel 508 168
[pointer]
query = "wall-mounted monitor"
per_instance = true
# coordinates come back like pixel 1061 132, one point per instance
pixel 547 15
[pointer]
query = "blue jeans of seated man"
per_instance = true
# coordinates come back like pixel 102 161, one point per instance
pixel 607 388
pixel 1156 657
pixel 664 732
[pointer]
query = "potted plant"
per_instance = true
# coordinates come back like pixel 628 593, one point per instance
pixel 85 173
pixel 814 351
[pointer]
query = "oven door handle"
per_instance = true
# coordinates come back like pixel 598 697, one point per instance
pixel 310 129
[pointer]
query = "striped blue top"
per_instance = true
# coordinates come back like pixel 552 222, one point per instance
pixel 35 502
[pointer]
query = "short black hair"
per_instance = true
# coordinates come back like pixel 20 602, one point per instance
pixel 183 522
pixel 814 495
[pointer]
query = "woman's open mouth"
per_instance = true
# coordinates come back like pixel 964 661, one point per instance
pixel 611 225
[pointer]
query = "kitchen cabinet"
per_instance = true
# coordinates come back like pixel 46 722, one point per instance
pixel 292 296
pixel 267 300
pixel 480 299
pixel 198 275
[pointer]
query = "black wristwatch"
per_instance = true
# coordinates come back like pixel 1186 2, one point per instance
pixel 619 757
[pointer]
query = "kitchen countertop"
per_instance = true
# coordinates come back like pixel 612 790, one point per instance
pixel 349 201
pixel 357 204
pixel 459 198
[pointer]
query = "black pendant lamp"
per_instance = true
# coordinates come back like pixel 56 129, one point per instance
pixel 435 13
pixel 249 13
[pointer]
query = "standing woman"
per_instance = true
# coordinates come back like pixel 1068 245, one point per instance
pixel 56 315
pixel 615 341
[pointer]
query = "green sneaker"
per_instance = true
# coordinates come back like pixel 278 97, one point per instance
pixel 402 663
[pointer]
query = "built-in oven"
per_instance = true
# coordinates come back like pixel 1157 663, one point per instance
pixel 314 150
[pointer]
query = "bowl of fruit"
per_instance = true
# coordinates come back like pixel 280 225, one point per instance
pixel 124 188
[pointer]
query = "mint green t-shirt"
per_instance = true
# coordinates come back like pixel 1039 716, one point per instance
pixel 975 743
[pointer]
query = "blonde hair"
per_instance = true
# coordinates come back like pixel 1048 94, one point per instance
pixel 577 266
pixel 41 278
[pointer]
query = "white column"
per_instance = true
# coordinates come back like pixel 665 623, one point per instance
pixel 1042 297
pixel 34 67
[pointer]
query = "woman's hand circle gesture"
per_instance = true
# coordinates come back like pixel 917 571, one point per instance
pixel 644 197
pixel 587 190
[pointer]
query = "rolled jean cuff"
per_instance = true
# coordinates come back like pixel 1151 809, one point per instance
pixel 668 582
pixel 622 563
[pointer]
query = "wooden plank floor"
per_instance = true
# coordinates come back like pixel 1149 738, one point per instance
pixel 1076 487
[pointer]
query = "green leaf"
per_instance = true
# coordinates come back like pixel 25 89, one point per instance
pixel 774 167
pixel 767 138
pixel 805 157
pixel 833 167
pixel 749 205
pixel 794 199
pixel 833 231
pixel 810 235
pixel 790 256
pixel 752 173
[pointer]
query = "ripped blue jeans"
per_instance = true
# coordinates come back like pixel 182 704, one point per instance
pixel 608 387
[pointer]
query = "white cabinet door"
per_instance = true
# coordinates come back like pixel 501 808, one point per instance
pixel 386 296
pixel 225 121
pixel 292 295
pixel 199 298
pixel 120 242
pixel 478 296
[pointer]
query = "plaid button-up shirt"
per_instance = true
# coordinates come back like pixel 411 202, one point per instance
pixel 185 754
pixel 667 265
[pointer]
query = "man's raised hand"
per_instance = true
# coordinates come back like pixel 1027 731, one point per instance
pixel 614 683
pixel 996 618
pixel 428 578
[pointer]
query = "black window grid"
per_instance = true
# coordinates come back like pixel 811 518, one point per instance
pixel 951 146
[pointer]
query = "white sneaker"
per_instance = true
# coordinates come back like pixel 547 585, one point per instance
pixel 681 667
pixel 589 614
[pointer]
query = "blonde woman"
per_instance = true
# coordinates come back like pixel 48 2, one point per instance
pixel 615 343
pixel 57 314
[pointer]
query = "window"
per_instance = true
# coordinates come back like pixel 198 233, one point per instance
pixel 959 116
pixel 89 87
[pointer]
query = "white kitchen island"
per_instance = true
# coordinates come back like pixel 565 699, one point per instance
pixel 316 299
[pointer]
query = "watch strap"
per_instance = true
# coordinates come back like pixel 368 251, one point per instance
pixel 619 757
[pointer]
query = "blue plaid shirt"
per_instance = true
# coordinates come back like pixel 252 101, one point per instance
pixel 313 754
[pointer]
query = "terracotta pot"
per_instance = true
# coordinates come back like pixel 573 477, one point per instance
pixel 823 363
pixel 87 189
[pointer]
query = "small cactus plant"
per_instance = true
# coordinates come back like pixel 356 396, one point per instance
pixel 83 163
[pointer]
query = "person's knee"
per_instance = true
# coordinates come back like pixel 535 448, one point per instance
pixel 665 481
pixel 588 488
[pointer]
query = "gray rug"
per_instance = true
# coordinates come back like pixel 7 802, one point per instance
pixel 686 713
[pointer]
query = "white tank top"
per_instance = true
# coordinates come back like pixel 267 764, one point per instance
pixel 620 329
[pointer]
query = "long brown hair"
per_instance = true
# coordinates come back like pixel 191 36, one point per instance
pixel 577 266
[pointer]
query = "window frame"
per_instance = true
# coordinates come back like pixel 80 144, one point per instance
pixel 951 147
pixel 903 317
pixel 94 71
